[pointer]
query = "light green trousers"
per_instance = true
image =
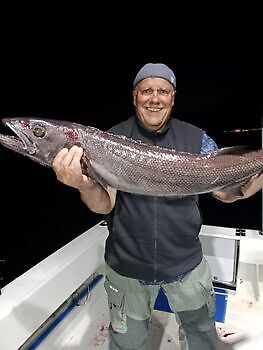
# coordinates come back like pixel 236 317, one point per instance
pixel 192 300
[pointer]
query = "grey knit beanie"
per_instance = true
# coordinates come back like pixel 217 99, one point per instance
pixel 158 70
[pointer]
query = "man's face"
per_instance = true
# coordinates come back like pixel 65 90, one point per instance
pixel 153 99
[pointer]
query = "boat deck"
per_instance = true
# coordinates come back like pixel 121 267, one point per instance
pixel 86 326
pixel 61 303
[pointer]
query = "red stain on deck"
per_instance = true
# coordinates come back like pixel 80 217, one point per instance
pixel 100 338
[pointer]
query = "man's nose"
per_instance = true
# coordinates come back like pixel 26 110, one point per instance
pixel 155 95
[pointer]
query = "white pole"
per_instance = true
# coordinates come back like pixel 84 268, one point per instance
pixel 262 189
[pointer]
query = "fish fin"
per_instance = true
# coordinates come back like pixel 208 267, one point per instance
pixel 241 149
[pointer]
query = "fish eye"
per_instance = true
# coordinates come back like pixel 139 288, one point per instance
pixel 39 131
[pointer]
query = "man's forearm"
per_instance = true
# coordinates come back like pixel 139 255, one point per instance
pixel 96 199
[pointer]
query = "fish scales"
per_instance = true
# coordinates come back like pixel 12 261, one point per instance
pixel 133 166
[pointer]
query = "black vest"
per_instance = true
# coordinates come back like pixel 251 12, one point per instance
pixel 155 238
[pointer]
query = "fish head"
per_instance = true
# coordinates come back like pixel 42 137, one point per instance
pixel 40 139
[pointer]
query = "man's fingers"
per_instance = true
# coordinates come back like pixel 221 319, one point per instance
pixel 254 184
pixel 65 157
pixel 77 154
pixel 254 177
pixel 73 152
pixel 59 157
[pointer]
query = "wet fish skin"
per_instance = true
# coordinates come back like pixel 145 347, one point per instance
pixel 132 166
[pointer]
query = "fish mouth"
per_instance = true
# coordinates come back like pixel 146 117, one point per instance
pixel 20 142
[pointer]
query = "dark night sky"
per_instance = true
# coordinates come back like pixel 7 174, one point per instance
pixel 56 63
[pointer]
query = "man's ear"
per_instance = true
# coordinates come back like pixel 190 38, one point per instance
pixel 134 94
pixel 174 95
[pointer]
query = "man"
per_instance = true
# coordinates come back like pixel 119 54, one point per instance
pixel 153 242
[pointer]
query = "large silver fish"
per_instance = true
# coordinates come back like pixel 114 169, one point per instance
pixel 132 166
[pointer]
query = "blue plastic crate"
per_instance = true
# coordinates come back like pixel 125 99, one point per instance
pixel 221 304
pixel 162 304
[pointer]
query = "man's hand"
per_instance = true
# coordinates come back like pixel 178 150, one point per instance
pixel 68 169
pixel 252 186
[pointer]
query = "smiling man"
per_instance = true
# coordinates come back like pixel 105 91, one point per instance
pixel 153 242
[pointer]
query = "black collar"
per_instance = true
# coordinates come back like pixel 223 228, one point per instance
pixel 151 133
